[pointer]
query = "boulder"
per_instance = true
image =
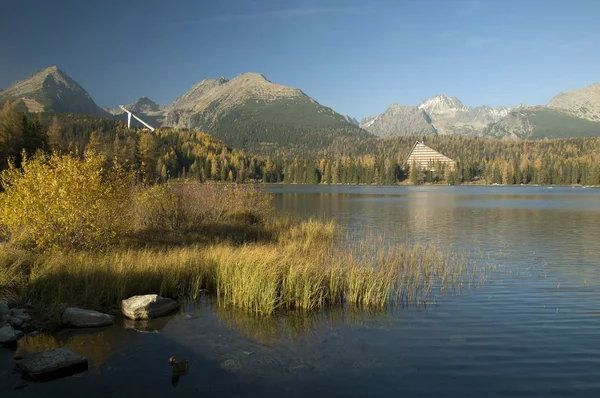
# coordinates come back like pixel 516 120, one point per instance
pixel 27 328
pixel 4 310
pixel 4 313
pixel 9 335
pixel 21 314
pixel 16 323
pixel 48 363
pixel 148 306
pixel 80 318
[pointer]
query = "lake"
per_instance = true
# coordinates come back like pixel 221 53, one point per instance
pixel 531 330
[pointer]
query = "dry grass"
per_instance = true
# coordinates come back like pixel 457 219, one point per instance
pixel 303 268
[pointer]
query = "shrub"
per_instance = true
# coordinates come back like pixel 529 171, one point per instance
pixel 63 201
pixel 191 205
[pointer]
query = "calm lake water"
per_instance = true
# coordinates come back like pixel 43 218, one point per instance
pixel 533 330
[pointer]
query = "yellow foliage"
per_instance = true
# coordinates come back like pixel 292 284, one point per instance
pixel 62 201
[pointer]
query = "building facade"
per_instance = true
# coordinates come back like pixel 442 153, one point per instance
pixel 425 158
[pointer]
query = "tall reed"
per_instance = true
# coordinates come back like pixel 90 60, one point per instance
pixel 303 269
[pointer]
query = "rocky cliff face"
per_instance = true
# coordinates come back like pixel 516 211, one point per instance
pixel 450 116
pixel 399 120
pixel 442 107
pixel 51 90
pixel 513 126
pixel 351 120
pixel 583 103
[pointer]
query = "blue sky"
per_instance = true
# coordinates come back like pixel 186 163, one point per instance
pixel 354 56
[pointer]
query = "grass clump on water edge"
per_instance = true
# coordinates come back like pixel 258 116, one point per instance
pixel 257 277
pixel 184 238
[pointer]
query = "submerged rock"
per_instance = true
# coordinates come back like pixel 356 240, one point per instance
pixel 148 306
pixel 81 318
pixel 53 362
pixel 147 325
pixel 9 335
pixel 230 365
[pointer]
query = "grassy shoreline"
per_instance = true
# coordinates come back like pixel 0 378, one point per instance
pixel 79 234
pixel 304 268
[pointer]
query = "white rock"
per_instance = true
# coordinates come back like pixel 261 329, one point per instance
pixel 45 362
pixel 148 306
pixel 9 335
pixel 80 318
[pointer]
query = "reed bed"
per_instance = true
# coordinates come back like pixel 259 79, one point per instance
pixel 304 268
pixel 183 238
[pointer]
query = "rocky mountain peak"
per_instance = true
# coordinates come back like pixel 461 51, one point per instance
pixel 399 120
pixel 442 105
pixel 198 91
pixel 51 90
pixel 53 71
pixel 583 103
pixel 144 105
pixel 486 114
pixel 250 101
pixel 252 76
pixel 224 94
pixel 350 119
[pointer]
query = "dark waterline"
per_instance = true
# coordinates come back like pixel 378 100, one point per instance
pixel 533 331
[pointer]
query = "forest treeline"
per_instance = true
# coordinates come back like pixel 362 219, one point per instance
pixel 354 159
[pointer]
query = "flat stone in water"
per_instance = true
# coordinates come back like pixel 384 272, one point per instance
pixel 148 306
pixel 81 318
pixel 51 362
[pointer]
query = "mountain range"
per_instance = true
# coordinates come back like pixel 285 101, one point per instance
pixel 249 109
pixel 570 114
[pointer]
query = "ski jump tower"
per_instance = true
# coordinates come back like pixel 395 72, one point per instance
pixel 130 114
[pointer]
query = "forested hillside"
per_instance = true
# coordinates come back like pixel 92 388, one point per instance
pixel 322 158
